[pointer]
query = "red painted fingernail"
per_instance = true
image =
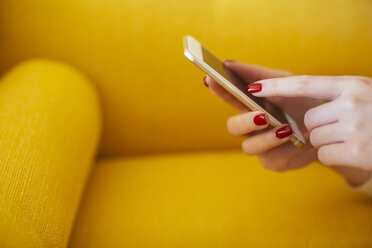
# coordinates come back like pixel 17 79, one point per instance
pixel 253 88
pixel 260 120
pixel 283 132
pixel 205 81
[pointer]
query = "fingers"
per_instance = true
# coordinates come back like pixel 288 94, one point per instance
pixel 219 91
pixel 334 154
pixel 265 141
pixel 328 134
pixel 323 114
pixel 246 123
pixel 274 159
pixel 252 73
pixel 307 156
pixel 317 87
pixel 353 153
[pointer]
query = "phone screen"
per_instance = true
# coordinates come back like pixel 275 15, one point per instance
pixel 239 83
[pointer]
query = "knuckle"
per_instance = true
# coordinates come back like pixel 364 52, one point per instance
pixel 304 82
pixel 352 102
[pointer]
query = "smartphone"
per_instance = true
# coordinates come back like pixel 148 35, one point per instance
pixel 234 84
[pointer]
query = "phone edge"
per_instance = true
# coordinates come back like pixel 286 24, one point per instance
pixel 236 92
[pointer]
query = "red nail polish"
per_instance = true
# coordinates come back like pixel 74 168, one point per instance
pixel 283 132
pixel 260 120
pixel 205 82
pixel 253 88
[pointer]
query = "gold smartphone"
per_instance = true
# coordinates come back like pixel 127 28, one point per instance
pixel 234 84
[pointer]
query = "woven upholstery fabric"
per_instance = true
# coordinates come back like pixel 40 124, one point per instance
pixel 218 199
pixel 153 99
pixel 50 124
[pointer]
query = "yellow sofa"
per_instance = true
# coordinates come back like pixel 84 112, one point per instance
pixel 109 138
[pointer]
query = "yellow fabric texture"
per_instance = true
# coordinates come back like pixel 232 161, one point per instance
pixel 50 124
pixel 218 199
pixel 153 98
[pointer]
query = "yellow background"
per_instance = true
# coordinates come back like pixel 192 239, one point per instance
pixel 153 98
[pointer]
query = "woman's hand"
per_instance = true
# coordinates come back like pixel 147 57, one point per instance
pixel 271 145
pixel 339 129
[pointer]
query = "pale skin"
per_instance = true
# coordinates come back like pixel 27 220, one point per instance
pixel 338 131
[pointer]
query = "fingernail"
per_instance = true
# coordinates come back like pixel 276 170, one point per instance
pixel 260 120
pixel 205 81
pixel 283 132
pixel 253 88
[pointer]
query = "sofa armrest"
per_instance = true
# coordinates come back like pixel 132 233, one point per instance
pixel 50 123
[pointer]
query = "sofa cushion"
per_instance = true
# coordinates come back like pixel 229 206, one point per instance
pixel 218 199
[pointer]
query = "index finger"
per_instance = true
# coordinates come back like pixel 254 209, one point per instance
pixel 249 73
pixel 317 87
